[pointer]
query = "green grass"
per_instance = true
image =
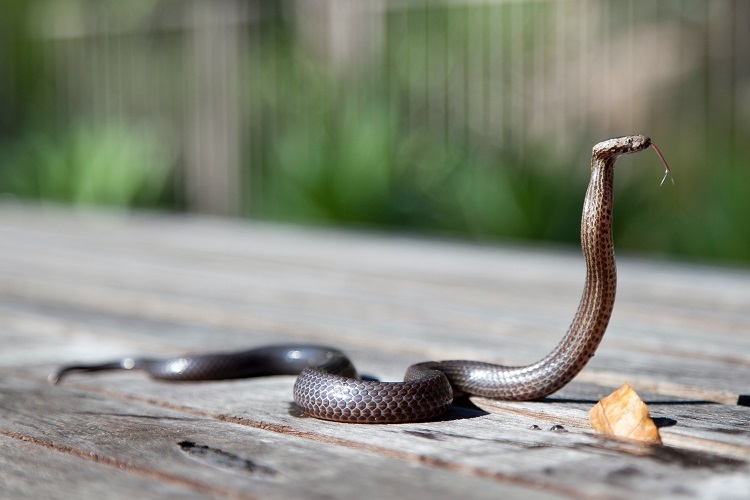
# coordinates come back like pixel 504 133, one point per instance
pixel 115 164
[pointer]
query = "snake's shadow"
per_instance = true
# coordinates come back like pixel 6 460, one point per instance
pixel 461 409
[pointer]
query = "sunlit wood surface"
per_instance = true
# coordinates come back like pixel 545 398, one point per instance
pixel 83 287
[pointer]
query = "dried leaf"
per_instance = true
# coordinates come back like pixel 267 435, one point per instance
pixel 624 414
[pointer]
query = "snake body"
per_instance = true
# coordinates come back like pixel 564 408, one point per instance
pixel 327 386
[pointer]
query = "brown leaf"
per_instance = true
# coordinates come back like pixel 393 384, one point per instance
pixel 624 414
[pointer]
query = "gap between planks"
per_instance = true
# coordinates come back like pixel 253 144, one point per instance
pixel 207 317
pixel 690 443
pixel 420 459
pixel 174 479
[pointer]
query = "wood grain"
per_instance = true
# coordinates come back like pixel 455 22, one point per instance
pixel 89 287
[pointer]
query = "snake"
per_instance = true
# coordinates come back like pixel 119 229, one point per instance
pixel 327 386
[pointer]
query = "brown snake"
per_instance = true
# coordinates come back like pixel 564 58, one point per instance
pixel 327 386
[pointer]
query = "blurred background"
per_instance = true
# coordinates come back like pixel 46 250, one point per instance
pixel 461 118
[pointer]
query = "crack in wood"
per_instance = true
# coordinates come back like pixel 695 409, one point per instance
pixel 613 379
pixel 694 459
pixel 434 436
pixel 670 455
pixel 188 483
pixel 225 459
pixel 424 460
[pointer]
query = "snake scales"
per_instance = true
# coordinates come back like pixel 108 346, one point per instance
pixel 327 386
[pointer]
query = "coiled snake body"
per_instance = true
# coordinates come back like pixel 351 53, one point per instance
pixel 327 386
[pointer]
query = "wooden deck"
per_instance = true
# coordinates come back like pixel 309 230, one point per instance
pixel 83 287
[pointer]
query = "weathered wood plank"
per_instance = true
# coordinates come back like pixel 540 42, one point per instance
pixel 462 327
pixel 93 287
pixel 577 391
pixel 30 470
pixel 80 335
pixel 212 456
pixel 480 445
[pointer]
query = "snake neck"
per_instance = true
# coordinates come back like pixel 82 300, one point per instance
pixel 588 326
pixel 597 301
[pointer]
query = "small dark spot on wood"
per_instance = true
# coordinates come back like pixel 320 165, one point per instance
pixel 724 430
pixel 535 428
pixel 558 428
pixel 623 474
pixel 224 459
pixel 426 434
pixel 743 400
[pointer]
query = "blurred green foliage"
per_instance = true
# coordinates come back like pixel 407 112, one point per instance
pixel 362 150
pixel 358 165
pixel 354 157
pixel 51 151
pixel 116 165
pixel 345 151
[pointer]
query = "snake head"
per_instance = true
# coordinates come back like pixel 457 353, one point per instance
pixel 612 148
